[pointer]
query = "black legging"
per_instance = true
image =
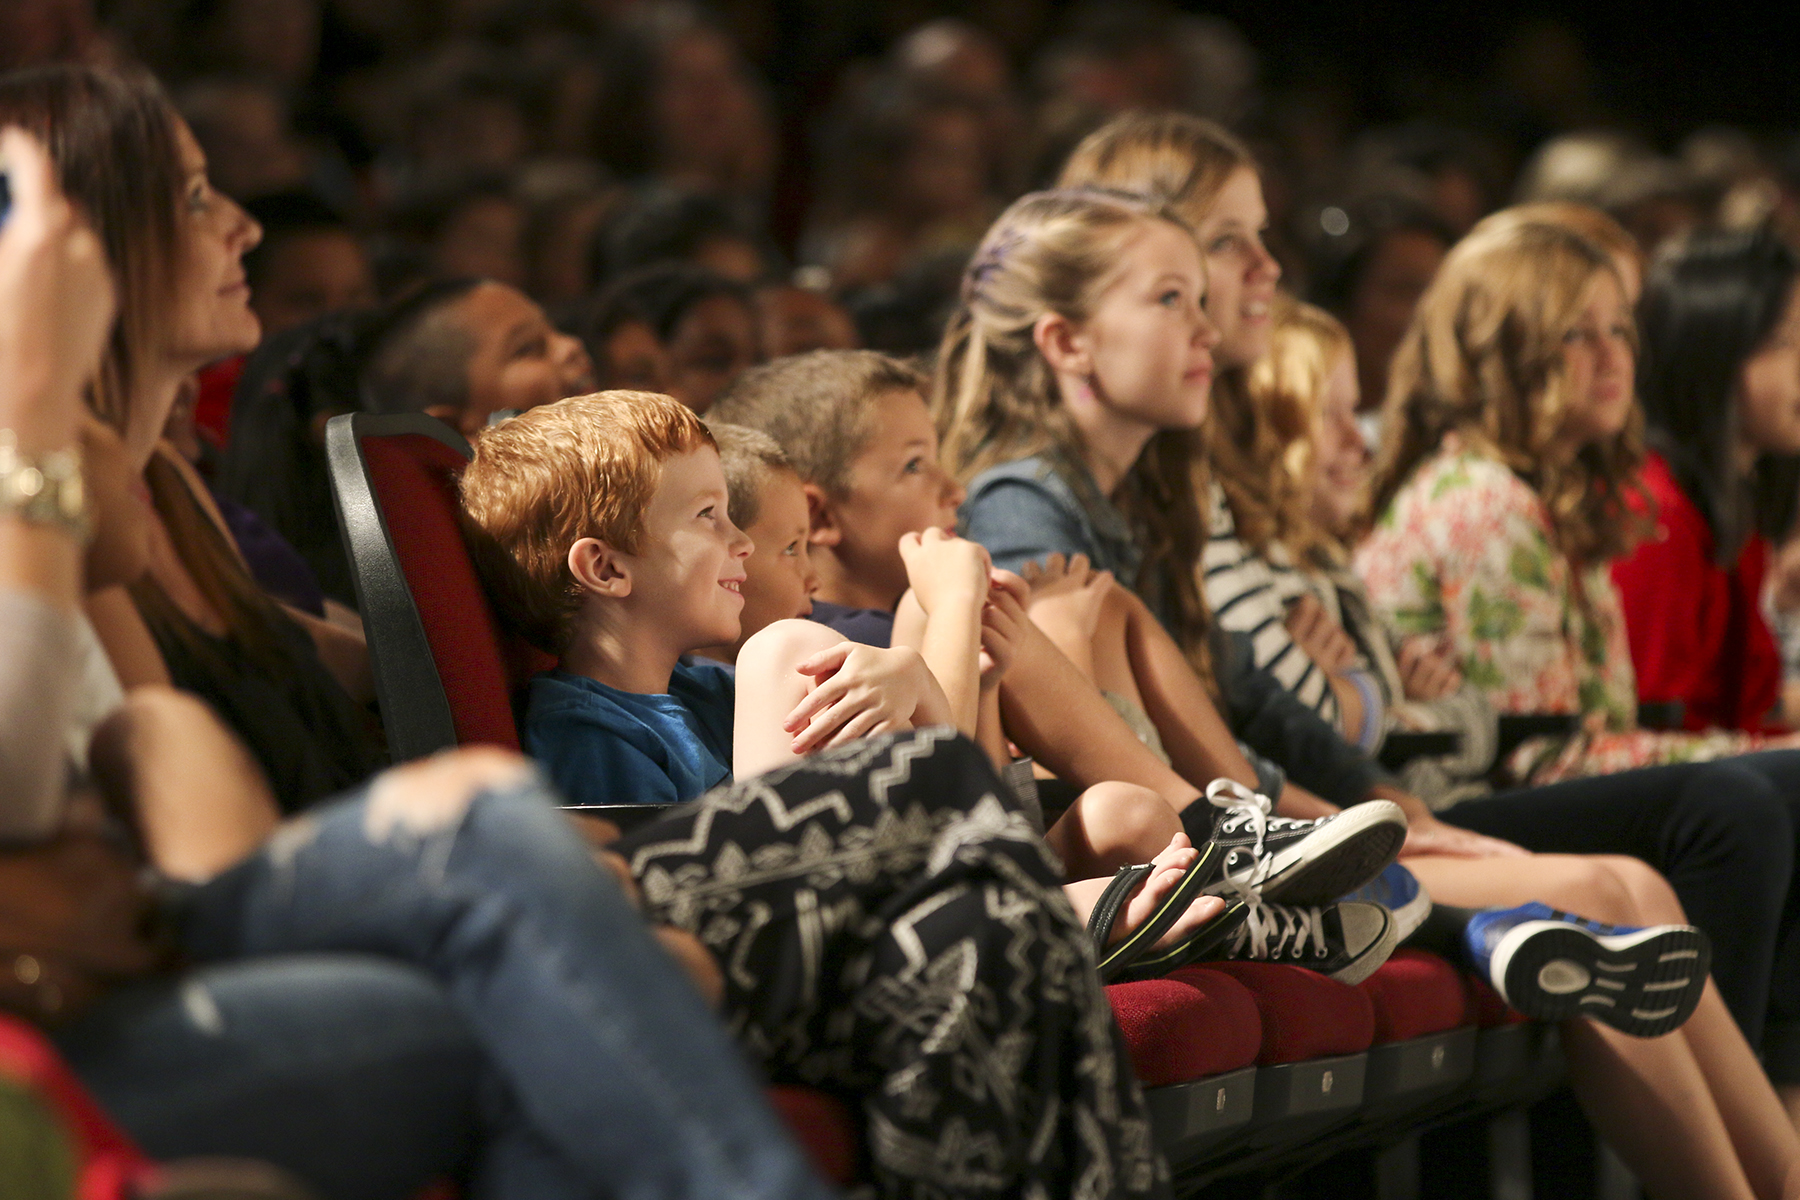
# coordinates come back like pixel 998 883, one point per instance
pixel 1723 834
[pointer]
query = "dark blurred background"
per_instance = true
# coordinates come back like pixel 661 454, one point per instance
pixel 838 160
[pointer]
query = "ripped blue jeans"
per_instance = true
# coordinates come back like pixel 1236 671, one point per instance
pixel 382 1003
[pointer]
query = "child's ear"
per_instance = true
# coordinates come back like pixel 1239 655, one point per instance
pixel 1062 344
pixel 821 516
pixel 599 569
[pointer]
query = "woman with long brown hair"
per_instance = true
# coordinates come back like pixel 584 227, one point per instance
pixel 198 619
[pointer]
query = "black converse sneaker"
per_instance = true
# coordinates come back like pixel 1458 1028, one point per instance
pixel 1347 940
pixel 1285 861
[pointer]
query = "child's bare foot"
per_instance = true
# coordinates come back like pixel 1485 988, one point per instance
pixel 1171 864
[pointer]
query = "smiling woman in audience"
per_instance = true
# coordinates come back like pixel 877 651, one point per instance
pixel 197 619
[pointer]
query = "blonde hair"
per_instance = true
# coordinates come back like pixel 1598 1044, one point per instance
pixel 1582 219
pixel 751 458
pixel 996 400
pixel 1286 390
pixel 540 482
pixel 817 406
pixel 1174 158
pixel 1484 359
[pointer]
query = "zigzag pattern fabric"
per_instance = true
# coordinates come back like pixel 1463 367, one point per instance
pixel 890 924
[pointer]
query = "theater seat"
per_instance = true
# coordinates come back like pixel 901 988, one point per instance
pixel 51 1126
pixel 445 669
pixel 827 1128
pixel 1425 1036
pixel 1193 1040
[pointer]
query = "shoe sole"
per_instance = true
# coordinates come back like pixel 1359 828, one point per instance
pixel 1645 983
pixel 1334 860
pixel 1409 916
pixel 1370 960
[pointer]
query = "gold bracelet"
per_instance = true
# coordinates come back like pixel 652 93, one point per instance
pixel 45 489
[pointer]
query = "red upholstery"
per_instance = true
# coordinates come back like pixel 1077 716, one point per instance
pixel 414 479
pixel 108 1166
pixel 1304 1014
pixel 1193 1024
pixel 1486 1008
pixel 825 1127
pixel 1414 994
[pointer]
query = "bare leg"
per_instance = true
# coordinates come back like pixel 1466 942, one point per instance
pixel 1199 743
pixel 1691 1112
pixel 200 800
pixel 1055 714
pixel 768 688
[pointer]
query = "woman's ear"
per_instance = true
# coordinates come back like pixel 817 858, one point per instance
pixel 1063 345
pixel 821 516
pixel 599 569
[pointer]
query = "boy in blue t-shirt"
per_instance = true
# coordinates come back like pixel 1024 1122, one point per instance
pixel 602 529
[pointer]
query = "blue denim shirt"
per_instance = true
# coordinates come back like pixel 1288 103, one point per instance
pixel 1029 509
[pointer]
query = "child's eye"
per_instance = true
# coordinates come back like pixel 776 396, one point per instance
pixel 1221 244
pixel 1170 298
pixel 914 466
pixel 793 548
pixel 535 348
pixel 707 513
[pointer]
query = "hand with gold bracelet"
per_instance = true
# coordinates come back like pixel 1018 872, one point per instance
pixel 56 308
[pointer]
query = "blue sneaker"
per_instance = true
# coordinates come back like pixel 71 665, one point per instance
pixel 1398 890
pixel 1550 965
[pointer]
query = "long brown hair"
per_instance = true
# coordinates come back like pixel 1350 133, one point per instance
pixel 1484 359
pixel 112 137
pixel 996 400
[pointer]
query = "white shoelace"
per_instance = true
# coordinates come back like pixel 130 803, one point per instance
pixel 1253 808
pixel 1289 926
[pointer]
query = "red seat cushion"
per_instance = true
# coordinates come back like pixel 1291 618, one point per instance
pixel 1414 994
pixel 1304 1014
pixel 1188 1026
pixel 1486 1007
pixel 414 478
pixel 107 1164
pixel 825 1127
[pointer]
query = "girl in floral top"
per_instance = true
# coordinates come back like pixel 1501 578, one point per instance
pixel 1508 483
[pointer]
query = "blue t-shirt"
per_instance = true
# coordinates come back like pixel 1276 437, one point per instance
pixel 870 626
pixel 604 746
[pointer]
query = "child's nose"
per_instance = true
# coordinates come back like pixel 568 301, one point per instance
pixel 954 493
pixel 1205 332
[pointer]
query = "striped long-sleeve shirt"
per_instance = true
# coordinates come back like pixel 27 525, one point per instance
pixel 1249 594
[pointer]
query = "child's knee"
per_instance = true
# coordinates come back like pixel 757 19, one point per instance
pixel 782 644
pixel 1653 900
pixel 1128 815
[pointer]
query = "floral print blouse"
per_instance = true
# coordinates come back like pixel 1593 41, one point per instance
pixel 1464 553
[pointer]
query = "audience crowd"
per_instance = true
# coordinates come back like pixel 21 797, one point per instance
pixel 982 513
